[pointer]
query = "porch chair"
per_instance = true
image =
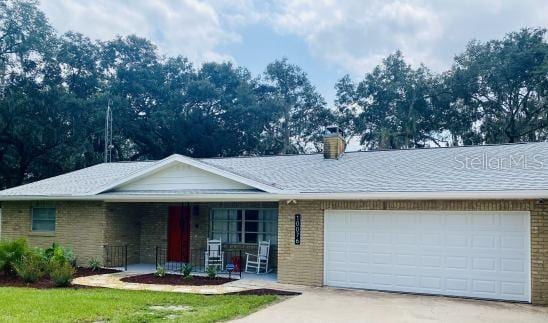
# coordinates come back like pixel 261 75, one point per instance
pixel 260 260
pixel 214 254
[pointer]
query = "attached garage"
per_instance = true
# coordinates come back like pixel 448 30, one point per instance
pixel 480 254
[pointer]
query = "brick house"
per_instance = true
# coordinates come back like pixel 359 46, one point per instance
pixel 468 221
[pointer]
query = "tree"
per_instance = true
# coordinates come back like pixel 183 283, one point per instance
pixel 504 83
pixel 393 105
pixel 298 110
pixel 346 107
pixel 221 114
pixel 135 87
pixel 33 124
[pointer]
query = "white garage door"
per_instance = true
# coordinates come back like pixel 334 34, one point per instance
pixel 473 254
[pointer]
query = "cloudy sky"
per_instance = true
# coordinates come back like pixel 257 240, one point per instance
pixel 328 38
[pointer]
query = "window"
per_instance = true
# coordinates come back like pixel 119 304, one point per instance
pixel 43 219
pixel 244 225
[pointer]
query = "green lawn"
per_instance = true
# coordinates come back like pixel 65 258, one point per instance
pixel 89 305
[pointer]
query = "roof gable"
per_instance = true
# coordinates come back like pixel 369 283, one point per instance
pixel 181 172
pixel 182 177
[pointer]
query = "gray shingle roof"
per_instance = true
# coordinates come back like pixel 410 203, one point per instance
pixel 471 168
pixel 477 168
pixel 79 182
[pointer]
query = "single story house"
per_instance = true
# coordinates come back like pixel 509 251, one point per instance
pixel 463 221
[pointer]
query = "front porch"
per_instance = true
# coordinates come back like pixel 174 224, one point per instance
pixel 142 237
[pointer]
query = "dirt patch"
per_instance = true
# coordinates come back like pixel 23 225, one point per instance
pixel 265 291
pixel 171 308
pixel 171 279
pixel 45 282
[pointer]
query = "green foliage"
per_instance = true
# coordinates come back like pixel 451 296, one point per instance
pixel 186 269
pixel 212 271
pixel 61 273
pixel 59 254
pixel 160 271
pixel 94 264
pixel 502 85
pixel 31 264
pixel 296 110
pixel 31 267
pixel 394 104
pixel 11 252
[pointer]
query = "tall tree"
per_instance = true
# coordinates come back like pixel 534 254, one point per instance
pixel 504 83
pixel 346 107
pixel 221 116
pixel 393 103
pixel 33 119
pixel 298 110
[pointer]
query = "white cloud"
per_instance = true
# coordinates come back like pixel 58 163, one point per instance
pixel 351 35
pixel 179 27
pixel 355 35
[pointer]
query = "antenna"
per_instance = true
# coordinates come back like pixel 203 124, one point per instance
pixel 108 135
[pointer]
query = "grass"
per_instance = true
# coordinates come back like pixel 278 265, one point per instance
pixel 98 304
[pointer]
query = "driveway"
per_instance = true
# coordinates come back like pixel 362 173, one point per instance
pixel 340 305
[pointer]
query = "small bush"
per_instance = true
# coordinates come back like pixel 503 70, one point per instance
pixel 59 254
pixel 61 273
pixel 30 267
pixel 186 269
pixel 212 271
pixel 160 272
pixel 11 252
pixel 94 264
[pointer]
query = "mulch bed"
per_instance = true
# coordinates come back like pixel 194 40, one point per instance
pixel 170 279
pixel 45 282
pixel 265 291
pixel 84 272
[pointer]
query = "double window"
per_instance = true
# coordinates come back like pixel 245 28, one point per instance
pixel 43 219
pixel 244 225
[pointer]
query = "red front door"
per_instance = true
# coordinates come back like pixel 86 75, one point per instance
pixel 178 233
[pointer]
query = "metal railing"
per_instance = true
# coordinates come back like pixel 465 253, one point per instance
pixel 115 256
pixel 197 259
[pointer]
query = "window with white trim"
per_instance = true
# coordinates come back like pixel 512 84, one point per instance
pixel 244 225
pixel 43 219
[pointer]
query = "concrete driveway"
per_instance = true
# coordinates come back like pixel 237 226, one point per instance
pixel 340 305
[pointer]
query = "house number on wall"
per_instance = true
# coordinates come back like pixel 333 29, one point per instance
pixel 297 229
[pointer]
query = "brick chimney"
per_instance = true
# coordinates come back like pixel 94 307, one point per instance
pixel 333 142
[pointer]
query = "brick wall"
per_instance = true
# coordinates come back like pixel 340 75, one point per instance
pixel 303 264
pixel 79 225
pixel 153 230
pixel 124 227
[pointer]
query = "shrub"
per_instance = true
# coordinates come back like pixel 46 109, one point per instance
pixel 160 271
pixel 59 254
pixel 211 271
pixel 94 264
pixel 30 267
pixel 61 273
pixel 10 253
pixel 186 269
